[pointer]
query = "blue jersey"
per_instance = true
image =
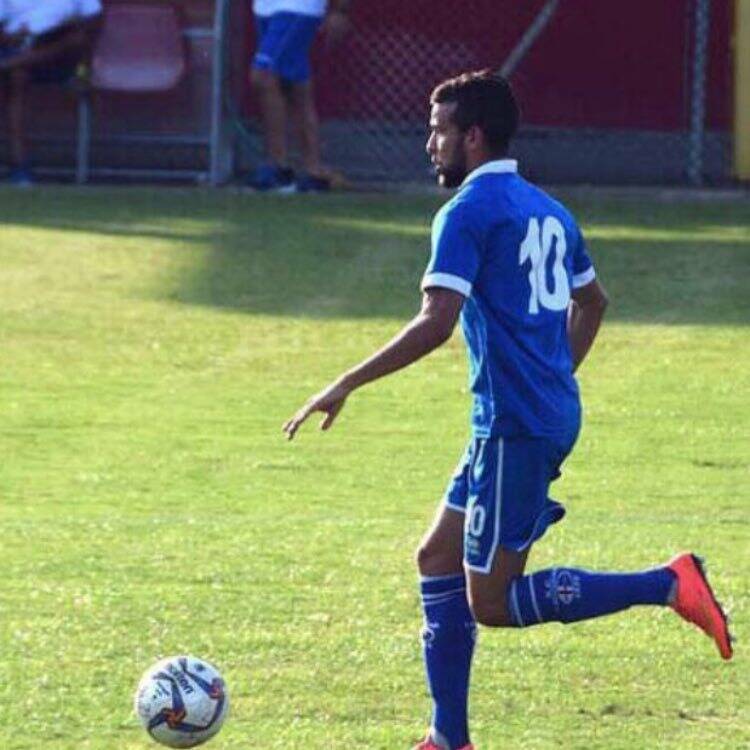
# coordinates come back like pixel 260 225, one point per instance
pixel 515 254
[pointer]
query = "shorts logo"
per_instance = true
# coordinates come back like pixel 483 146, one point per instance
pixel 473 548
pixel 563 587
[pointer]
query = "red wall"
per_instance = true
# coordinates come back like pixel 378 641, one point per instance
pixel 600 63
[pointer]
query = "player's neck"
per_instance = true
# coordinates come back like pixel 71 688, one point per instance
pixel 480 158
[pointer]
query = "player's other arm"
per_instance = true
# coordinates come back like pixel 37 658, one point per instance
pixel 585 315
pixel 430 328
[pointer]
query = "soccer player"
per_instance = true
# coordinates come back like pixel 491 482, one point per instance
pixel 512 264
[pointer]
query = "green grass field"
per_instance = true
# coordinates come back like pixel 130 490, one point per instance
pixel 153 342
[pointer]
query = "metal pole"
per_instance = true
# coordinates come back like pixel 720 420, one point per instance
pixel 217 94
pixel 538 25
pixel 83 145
pixel 698 92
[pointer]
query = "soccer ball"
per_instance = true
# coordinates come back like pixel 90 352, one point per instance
pixel 182 701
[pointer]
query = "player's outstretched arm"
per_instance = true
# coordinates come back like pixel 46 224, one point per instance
pixel 584 318
pixel 426 332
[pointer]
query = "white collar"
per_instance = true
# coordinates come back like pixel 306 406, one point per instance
pixel 498 166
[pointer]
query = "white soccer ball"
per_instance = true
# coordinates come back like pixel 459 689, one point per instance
pixel 182 701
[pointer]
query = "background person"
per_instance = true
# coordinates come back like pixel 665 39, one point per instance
pixel 40 42
pixel 282 79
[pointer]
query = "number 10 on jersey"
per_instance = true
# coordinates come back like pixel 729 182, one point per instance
pixel 536 248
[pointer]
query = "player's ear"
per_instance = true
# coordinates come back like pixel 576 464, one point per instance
pixel 474 137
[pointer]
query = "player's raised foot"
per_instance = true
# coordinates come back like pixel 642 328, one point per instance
pixel 428 744
pixel 695 602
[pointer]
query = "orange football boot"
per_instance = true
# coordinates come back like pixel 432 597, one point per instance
pixel 695 602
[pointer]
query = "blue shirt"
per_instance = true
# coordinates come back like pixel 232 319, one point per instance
pixel 515 254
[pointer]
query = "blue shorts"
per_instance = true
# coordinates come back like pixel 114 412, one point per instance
pixel 284 42
pixel 501 486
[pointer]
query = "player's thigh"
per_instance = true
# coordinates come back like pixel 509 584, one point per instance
pixel 441 550
pixel 507 510
pixel 508 505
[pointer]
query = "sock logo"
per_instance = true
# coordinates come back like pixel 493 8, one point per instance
pixel 563 587
pixel 428 633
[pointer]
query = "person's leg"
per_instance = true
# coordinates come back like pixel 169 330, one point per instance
pixel 273 112
pixel 509 510
pixel 266 78
pixel 304 115
pixel 292 63
pixel 449 629
pixel 507 598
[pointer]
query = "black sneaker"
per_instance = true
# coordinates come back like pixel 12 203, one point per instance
pixel 271 178
pixel 311 184
pixel 21 177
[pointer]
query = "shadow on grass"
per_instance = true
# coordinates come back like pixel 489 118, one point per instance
pixel 344 256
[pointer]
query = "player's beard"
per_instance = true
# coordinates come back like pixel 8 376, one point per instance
pixel 453 172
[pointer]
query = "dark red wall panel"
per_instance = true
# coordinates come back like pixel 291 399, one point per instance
pixel 599 63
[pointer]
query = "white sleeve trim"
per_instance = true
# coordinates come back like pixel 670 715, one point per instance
pixel 581 279
pixel 447 281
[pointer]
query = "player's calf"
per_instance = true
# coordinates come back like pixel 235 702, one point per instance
pixel 568 594
pixel 449 630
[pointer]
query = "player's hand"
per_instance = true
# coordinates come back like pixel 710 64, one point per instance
pixel 330 401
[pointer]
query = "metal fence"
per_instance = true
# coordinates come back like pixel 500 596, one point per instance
pixel 613 93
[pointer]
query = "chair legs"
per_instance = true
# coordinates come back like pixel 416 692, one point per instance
pixel 83 145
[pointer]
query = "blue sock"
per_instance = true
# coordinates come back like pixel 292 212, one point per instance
pixel 448 636
pixel 569 595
